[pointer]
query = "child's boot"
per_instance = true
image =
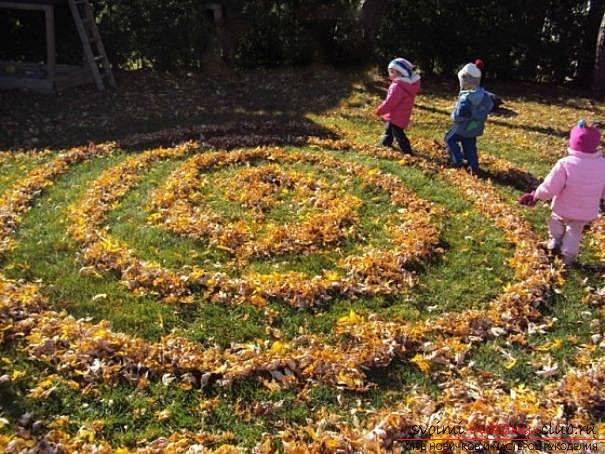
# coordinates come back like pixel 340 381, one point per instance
pixel 552 245
pixel 568 260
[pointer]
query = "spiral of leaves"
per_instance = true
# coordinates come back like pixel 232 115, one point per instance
pixel 372 272
pixel 89 353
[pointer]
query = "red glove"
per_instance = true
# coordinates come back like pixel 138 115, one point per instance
pixel 528 199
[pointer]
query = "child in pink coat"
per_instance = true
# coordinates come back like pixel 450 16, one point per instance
pixel 396 109
pixel 576 185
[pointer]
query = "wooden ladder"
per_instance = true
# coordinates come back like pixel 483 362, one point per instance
pixel 94 51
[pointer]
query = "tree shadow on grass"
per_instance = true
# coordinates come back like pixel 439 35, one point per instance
pixel 503 112
pixel 189 105
pixel 264 103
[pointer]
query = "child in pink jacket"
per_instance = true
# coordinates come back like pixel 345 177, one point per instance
pixel 396 109
pixel 576 185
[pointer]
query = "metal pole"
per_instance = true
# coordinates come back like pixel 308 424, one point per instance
pixel 51 59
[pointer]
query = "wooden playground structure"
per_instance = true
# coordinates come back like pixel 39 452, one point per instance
pixel 50 76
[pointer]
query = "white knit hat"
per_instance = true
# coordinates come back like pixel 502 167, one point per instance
pixel 470 69
pixel 402 66
pixel 469 77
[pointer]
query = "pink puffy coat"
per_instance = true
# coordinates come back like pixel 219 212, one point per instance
pixel 576 184
pixel 397 107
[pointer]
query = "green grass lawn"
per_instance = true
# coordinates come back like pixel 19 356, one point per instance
pixel 471 272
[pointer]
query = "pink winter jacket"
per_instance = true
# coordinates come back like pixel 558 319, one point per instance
pixel 397 107
pixel 575 184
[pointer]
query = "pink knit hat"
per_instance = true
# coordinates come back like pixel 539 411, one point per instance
pixel 584 138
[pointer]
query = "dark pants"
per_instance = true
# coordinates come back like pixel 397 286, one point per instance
pixel 469 150
pixel 395 132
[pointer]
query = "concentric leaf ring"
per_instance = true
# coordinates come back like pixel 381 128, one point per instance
pixel 373 272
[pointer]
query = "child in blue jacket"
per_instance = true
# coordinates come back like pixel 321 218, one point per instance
pixel 469 116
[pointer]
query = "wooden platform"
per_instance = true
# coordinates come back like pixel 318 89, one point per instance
pixel 50 76
pixel 20 3
pixel 33 76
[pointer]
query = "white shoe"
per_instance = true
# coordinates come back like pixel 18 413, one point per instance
pixel 552 245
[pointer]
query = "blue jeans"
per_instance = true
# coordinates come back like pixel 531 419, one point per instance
pixel 393 131
pixel 469 150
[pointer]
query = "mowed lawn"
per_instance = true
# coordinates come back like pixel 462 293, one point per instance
pixel 469 267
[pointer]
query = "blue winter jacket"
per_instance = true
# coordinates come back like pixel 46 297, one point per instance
pixel 470 112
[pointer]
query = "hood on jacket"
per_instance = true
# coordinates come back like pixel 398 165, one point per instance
pixel 408 80
pixel 474 96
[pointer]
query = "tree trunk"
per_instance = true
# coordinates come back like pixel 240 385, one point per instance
pixel 598 82
pixel 370 13
pixel 586 57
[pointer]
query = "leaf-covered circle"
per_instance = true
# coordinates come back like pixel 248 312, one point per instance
pixel 369 271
